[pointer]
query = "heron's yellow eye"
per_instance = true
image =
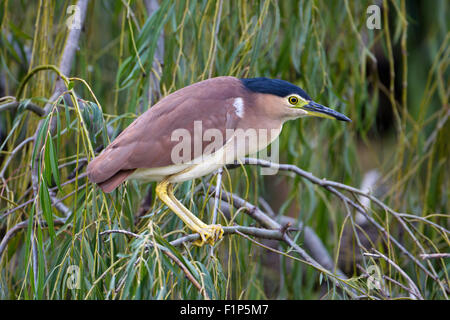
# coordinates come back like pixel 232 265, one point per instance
pixel 293 100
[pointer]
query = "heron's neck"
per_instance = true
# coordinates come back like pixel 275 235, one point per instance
pixel 293 113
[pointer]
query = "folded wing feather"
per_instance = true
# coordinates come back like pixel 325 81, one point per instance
pixel 146 143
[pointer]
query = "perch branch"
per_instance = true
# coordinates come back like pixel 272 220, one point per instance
pixel 280 230
pixel 248 231
pixel 251 231
pixel 312 242
pixel 332 187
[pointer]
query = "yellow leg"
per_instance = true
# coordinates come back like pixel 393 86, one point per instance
pixel 208 233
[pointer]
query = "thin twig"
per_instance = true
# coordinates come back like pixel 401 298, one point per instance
pixel 332 186
pixel 217 194
pixel 22 225
pixel 434 255
pixel 269 223
pixel 28 106
pixel 186 271
pixel 13 153
pixel 251 231
pixel 70 47
pixel 154 92
pixel 312 242
pixel 412 285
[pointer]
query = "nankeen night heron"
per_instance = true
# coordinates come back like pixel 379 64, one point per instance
pixel 198 129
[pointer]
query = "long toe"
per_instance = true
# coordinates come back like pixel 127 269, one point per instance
pixel 209 234
pixel 217 233
pixel 205 237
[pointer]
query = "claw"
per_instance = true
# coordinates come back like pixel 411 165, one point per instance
pixel 210 234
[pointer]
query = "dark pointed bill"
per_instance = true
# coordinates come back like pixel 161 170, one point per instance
pixel 319 110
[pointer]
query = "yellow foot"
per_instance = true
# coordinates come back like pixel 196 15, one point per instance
pixel 210 234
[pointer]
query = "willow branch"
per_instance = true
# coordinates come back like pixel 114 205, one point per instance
pixel 251 231
pixel 311 241
pixel 22 225
pixel 154 92
pixel 333 188
pixel 412 285
pixel 263 219
pixel 434 255
pixel 28 106
pixel 262 233
pixel 13 153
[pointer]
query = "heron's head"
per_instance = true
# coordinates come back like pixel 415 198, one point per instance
pixel 291 100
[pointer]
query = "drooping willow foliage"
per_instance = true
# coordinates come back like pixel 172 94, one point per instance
pixel 392 82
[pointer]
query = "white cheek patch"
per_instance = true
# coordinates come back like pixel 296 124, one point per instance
pixel 238 104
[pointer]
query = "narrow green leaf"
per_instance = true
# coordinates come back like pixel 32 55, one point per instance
pixel 41 264
pixel 46 206
pixel 37 143
pixel 54 163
